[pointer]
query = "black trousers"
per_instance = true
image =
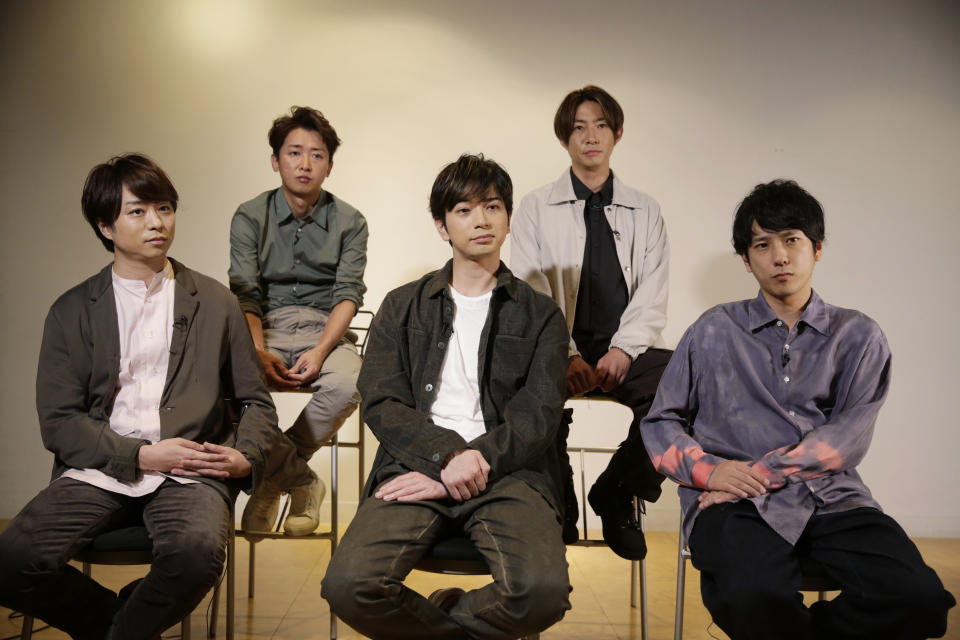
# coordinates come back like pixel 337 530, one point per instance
pixel 750 577
pixel 631 465
pixel 188 523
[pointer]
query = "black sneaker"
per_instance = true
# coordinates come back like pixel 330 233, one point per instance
pixel 621 527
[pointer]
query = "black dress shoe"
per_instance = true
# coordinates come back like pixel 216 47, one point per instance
pixel 621 526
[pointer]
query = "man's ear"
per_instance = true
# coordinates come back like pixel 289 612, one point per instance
pixel 106 230
pixel 619 134
pixel 274 162
pixel 329 168
pixel 441 228
pixel 817 251
pixel 746 261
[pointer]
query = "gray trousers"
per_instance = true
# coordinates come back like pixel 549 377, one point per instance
pixel 511 524
pixel 189 526
pixel 288 332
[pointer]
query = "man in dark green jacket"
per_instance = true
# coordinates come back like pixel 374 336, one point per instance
pixel 135 366
pixel 463 384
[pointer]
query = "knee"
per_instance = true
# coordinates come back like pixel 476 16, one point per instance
pixel 194 559
pixel 338 390
pixel 537 601
pixel 925 604
pixel 354 593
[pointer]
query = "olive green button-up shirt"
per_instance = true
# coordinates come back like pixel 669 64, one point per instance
pixel 277 260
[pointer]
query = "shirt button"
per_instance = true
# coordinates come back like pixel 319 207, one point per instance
pixel 626 269
pixel 429 387
pixel 786 378
pixel 787 347
pixel 779 323
pixel 297 261
pixel 436 457
pixel 440 345
pixel 792 413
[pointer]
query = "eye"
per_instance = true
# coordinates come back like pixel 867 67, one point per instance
pixel 602 125
pixel 793 240
pixel 136 212
pixel 318 156
pixel 760 245
pixel 294 153
pixel 165 208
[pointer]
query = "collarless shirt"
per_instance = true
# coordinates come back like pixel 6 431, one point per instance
pixel 278 260
pixel 799 405
pixel 602 295
pixel 145 320
pixel 457 404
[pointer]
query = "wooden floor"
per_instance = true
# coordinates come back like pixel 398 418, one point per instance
pixel 288 604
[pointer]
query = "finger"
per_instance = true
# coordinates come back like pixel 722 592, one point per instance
pixel 177 471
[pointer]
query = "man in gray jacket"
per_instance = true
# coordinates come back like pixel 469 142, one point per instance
pixel 599 248
pixel 135 366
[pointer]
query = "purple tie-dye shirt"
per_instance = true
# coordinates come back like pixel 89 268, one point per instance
pixel 799 405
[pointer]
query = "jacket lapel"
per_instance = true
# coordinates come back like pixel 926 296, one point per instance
pixel 185 307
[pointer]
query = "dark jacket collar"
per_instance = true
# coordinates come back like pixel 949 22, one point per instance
pixel 440 279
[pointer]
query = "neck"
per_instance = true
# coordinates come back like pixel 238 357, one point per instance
pixel 138 269
pixel 593 178
pixel 298 205
pixel 475 277
pixel 789 309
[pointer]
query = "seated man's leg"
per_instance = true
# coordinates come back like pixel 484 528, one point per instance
pixel 517 532
pixel 749 575
pixel 887 589
pixel 335 397
pixel 631 464
pixel 364 581
pixel 189 524
pixel 36 546
pixel 630 472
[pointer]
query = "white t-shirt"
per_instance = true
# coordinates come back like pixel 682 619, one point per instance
pixel 457 405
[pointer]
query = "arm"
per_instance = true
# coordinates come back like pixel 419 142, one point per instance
pixel 257 429
pixel 525 253
pixel 64 374
pixel 274 370
pixel 646 313
pixel 842 441
pixel 665 430
pixel 389 403
pixel 244 270
pixel 532 416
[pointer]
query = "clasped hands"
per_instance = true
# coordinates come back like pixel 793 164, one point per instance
pixel 304 371
pixel 732 480
pixel 183 457
pixel 610 372
pixel 463 477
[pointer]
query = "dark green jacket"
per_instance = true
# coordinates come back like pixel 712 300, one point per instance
pixel 211 358
pixel 522 376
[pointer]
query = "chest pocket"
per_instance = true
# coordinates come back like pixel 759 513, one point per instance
pixel 509 365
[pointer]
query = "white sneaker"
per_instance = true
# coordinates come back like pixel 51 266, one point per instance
pixel 304 513
pixel 260 514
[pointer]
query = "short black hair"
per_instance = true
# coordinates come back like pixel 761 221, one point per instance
pixel 775 206
pixel 103 190
pixel 302 118
pixel 469 178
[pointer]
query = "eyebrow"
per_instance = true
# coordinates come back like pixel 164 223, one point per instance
pixel 600 119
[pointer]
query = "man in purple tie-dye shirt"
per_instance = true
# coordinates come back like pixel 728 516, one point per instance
pixel 762 415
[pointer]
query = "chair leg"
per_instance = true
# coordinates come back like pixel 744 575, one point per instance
pixel 214 611
pixel 231 580
pixel 681 589
pixel 26 630
pixel 252 563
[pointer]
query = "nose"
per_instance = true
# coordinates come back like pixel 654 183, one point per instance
pixel 154 221
pixel 480 216
pixel 780 255
pixel 592 136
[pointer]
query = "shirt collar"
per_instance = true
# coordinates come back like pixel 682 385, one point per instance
pixel 583 192
pixel 319 214
pixel 441 279
pixel 815 314
pixel 139 287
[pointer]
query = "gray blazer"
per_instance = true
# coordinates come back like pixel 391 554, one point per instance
pixel 212 358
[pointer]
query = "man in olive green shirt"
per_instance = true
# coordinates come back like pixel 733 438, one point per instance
pixel 297 256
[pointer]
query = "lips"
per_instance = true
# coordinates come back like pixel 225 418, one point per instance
pixel 486 238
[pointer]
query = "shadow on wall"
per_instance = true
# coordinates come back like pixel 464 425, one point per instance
pixel 723 278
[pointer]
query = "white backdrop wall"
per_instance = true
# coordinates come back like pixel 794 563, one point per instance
pixel 858 101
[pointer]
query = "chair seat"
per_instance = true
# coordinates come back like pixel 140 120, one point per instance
pixel 456 555
pixel 127 545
